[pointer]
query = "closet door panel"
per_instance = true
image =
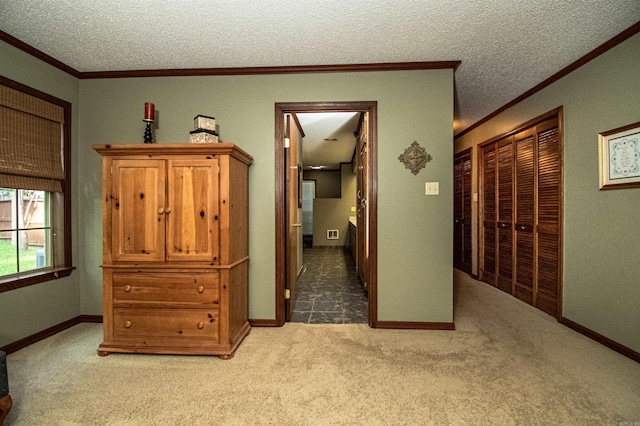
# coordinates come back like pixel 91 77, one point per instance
pixel 457 213
pixel 524 216
pixel 462 212
pixel 505 216
pixel 549 193
pixel 488 259
pixel 466 216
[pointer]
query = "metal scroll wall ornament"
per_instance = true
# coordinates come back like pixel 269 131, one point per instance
pixel 415 158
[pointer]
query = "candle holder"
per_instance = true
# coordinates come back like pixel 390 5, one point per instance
pixel 148 136
pixel 149 115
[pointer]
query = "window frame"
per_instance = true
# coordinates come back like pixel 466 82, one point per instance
pixel 60 209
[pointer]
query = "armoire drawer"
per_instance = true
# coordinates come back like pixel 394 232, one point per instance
pixel 156 289
pixel 166 323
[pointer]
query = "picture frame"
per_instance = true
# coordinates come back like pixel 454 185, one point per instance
pixel 619 157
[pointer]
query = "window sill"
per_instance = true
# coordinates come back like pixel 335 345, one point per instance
pixel 33 277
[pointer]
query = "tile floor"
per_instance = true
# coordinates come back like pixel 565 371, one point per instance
pixel 329 291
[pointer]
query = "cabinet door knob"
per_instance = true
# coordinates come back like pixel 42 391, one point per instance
pixel 200 325
pixel 127 288
pixel 127 324
pixel 200 289
pixel 160 210
pixel 168 210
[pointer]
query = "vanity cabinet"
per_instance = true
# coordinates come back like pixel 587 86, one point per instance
pixel 175 248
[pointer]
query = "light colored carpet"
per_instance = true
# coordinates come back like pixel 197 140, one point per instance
pixel 506 364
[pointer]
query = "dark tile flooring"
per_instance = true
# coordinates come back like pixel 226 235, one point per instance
pixel 329 291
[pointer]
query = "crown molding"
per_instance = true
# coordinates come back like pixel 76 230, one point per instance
pixel 191 72
pixel 296 69
pixel 9 39
pixel 611 43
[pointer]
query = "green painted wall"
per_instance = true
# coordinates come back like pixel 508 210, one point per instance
pixel 414 263
pixel 601 228
pixel 28 310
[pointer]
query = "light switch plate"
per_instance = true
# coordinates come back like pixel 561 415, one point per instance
pixel 432 188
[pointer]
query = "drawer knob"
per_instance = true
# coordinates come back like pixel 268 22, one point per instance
pixel 200 288
pixel 127 288
pixel 127 324
pixel 160 210
pixel 168 210
pixel 200 325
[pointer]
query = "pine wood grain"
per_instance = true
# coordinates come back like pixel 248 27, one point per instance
pixel 175 248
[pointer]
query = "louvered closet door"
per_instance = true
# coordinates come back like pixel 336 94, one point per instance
pixel 521 195
pixel 457 212
pixel 466 203
pixel 462 212
pixel 524 215
pixel 505 215
pixel 548 198
pixel 488 213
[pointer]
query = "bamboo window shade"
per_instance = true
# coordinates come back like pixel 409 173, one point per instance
pixel 31 136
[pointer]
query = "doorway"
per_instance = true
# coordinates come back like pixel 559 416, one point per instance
pixel 367 201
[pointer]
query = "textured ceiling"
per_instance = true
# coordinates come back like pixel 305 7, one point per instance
pixel 506 46
pixel 329 138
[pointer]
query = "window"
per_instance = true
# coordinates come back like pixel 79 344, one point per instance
pixel 35 196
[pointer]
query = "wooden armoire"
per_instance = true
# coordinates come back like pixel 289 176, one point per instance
pixel 175 248
pixel 520 213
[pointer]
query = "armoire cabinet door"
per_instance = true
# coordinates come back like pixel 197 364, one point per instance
pixel 137 207
pixel 192 214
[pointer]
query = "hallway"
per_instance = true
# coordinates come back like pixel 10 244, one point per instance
pixel 330 291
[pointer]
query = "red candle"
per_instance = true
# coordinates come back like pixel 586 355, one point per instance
pixel 149 111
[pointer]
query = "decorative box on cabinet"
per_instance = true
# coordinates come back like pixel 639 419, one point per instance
pixel 175 248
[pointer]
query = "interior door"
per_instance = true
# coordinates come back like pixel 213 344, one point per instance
pixel 293 213
pixel 457 212
pixel 462 212
pixel 549 247
pixel 488 216
pixel 524 215
pixel 505 215
pixel 362 210
pixel 282 195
